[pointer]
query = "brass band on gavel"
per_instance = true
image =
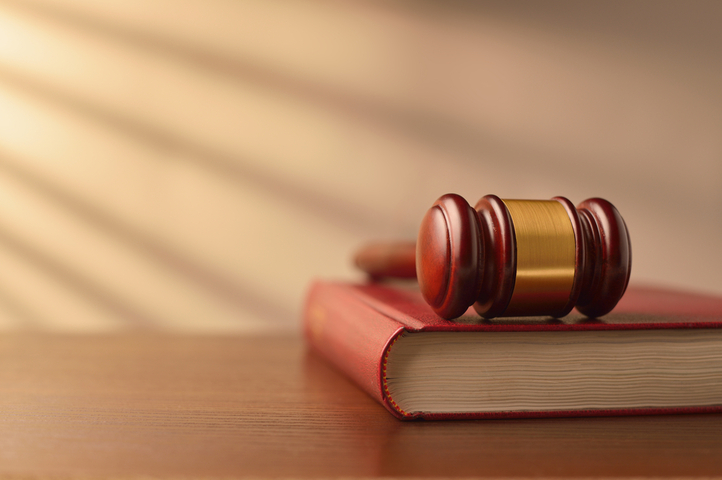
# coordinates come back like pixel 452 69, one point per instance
pixel 545 257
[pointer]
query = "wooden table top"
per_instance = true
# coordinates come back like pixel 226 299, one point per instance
pixel 127 406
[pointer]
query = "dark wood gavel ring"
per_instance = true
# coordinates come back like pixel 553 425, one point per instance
pixel 513 257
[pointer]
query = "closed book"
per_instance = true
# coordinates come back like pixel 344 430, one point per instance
pixel 659 351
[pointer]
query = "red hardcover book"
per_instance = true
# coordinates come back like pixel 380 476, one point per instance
pixel 659 351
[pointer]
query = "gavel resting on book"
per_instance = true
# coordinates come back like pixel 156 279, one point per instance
pixel 512 257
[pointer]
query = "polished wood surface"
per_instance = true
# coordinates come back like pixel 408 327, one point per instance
pixel 449 258
pixel 608 257
pixel 147 405
pixel 499 257
pixel 387 259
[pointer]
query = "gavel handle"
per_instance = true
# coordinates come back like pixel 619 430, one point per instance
pixel 391 259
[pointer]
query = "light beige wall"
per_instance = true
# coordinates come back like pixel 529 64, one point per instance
pixel 192 165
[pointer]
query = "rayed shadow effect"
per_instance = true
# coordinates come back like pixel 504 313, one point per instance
pixel 87 288
pixel 691 26
pixel 443 133
pixel 28 319
pixel 334 210
pixel 160 254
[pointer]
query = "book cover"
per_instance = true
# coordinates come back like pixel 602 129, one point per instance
pixel 355 327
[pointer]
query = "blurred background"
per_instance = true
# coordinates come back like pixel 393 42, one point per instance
pixel 191 165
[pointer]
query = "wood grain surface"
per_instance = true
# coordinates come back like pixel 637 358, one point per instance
pixel 130 406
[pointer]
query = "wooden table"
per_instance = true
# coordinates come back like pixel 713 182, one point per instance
pixel 171 406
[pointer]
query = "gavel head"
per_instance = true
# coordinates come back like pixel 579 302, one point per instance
pixel 522 257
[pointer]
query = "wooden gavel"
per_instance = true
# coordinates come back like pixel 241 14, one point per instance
pixel 513 257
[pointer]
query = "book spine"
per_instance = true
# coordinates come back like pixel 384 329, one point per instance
pixel 351 335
